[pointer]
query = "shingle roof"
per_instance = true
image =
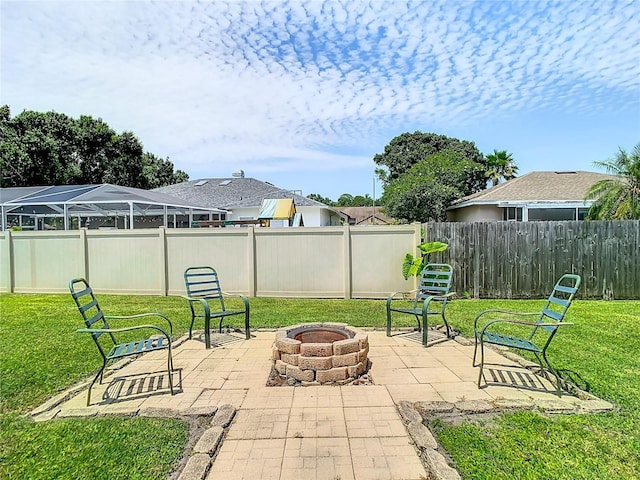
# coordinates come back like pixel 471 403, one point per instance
pixel 363 214
pixel 232 192
pixel 538 187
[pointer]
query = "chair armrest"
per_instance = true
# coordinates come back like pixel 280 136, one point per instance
pixel 513 321
pixel 502 312
pixel 124 329
pixel 142 315
pixel 244 299
pixel 404 295
pixel 444 296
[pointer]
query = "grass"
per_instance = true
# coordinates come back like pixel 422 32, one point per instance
pixel 602 348
pixel 41 355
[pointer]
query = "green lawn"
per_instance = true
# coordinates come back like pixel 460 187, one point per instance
pixel 40 355
pixel 603 347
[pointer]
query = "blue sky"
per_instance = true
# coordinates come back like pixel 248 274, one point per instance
pixel 304 94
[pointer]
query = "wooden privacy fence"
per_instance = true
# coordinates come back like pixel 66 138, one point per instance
pixel 524 259
pixel 324 262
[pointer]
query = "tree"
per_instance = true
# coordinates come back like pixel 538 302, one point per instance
pixel 37 149
pixel 424 192
pixel 500 165
pixel 362 201
pixel 345 200
pixel 158 172
pixel 407 149
pixel 319 198
pixel 94 141
pixel 54 149
pixel 617 199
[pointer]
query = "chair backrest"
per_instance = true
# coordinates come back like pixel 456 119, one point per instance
pixel 435 280
pixel 90 310
pixel 559 301
pixel 203 282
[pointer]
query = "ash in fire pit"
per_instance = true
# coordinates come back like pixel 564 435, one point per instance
pixel 320 353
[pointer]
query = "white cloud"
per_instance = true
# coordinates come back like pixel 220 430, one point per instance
pixel 276 83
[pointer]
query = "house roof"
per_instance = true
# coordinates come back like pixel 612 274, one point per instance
pixel 538 187
pixel 364 215
pixel 233 192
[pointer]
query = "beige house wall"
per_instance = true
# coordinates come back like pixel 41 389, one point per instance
pixel 321 262
pixel 476 213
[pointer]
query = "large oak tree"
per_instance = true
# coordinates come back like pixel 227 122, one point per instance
pixel 424 173
pixel 52 148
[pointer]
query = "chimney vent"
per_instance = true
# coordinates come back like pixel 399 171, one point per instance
pixel 238 174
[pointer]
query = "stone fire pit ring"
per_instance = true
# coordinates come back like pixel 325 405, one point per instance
pixel 321 353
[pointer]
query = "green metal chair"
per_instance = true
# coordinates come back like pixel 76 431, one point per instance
pixel 105 337
pixel 430 298
pixel 539 333
pixel 206 300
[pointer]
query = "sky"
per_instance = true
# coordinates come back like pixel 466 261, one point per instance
pixel 303 94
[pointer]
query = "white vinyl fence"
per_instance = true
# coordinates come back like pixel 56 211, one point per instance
pixel 323 262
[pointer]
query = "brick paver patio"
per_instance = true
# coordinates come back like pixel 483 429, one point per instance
pixel 313 432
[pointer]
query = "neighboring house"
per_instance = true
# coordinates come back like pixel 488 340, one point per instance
pixel 533 196
pixel 366 216
pixel 243 197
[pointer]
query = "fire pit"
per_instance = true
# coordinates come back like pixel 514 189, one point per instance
pixel 320 353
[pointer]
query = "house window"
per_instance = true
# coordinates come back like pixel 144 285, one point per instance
pixel 582 213
pixel 552 214
pixel 512 214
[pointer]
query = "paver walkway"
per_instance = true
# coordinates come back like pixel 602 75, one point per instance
pixel 313 432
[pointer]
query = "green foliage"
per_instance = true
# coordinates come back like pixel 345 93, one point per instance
pixel 345 200
pixel 348 200
pixel 617 199
pixel 500 165
pixel 96 448
pixel 414 265
pixel 428 188
pixel 407 149
pixel 54 149
pixel 319 198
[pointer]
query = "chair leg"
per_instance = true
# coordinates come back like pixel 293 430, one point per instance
pixel 246 325
pixel 446 323
pixel 170 369
pixel 193 319
pixel 425 329
pixel 207 332
pixel 481 362
pixel 99 375
pixel 475 349
pixel 555 373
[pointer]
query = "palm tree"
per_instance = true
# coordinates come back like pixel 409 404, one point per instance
pixel 617 199
pixel 500 165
